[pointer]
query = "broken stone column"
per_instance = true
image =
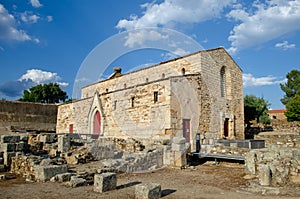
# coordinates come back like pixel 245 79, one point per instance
pixel 264 175
pixel 63 143
pixel 179 151
pixel 250 162
pixel 148 191
pixel 105 182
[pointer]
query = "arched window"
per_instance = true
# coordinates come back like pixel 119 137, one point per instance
pixel 222 81
pixel 97 123
pixel 183 71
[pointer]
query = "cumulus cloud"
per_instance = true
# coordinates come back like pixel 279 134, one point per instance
pixel 8 27
pixel 30 78
pixel 250 81
pixel 175 11
pixel 169 13
pixel 35 3
pixel 285 45
pixel 28 17
pixel 263 22
pixel 40 77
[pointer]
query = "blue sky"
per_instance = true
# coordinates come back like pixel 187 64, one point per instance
pixel 44 41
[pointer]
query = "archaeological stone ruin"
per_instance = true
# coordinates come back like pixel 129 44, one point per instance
pixel 161 116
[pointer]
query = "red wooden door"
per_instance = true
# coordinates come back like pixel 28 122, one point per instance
pixel 186 130
pixel 71 128
pixel 97 123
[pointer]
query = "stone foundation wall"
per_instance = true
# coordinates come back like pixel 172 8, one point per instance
pixel 284 164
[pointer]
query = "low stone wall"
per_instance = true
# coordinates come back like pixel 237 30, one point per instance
pixel 283 163
pixel 24 116
pixel 285 126
pixel 283 139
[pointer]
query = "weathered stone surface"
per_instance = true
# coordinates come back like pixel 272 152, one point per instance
pixel 148 191
pixel 134 162
pixel 178 147
pixel 7 156
pixel 250 160
pixel 21 146
pixel 105 182
pixel 46 162
pixel 63 143
pixel 76 182
pixel 47 138
pixel 102 151
pixel 178 140
pixel 10 138
pixel 24 138
pixel 63 177
pixel 8 147
pixel 2 168
pixel 44 173
pixel 295 179
pixel 264 175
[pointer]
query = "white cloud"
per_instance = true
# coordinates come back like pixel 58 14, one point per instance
pixel 28 17
pixel 285 45
pixel 268 21
pixel 175 11
pixel 250 81
pixel 41 77
pixel 35 3
pixel 169 13
pixel 8 29
pixel 49 18
pixel 138 38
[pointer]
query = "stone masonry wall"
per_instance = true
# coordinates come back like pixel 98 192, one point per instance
pixel 282 162
pixel 16 115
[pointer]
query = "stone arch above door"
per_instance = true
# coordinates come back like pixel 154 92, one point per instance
pixel 96 119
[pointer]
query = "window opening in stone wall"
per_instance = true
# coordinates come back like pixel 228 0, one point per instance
pixel 147 80
pixel 163 75
pixel 106 90
pixel 115 105
pixel 125 85
pixel 183 71
pixel 132 101
pixel 222 76
pixel 155 95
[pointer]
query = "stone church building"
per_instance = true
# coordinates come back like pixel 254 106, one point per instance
pixel 198 93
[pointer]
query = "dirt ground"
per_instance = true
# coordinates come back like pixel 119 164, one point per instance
pixel 201 181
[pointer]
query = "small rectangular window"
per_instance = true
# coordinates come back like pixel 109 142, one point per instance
pixel 115 105
pixel 132 102
pixel 155 96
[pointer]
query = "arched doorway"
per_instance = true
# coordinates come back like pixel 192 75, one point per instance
pixel 97 123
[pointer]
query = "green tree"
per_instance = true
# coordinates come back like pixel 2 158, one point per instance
pixel 46 93
pixel 256 108
pixel 291 87
pixel 293 109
